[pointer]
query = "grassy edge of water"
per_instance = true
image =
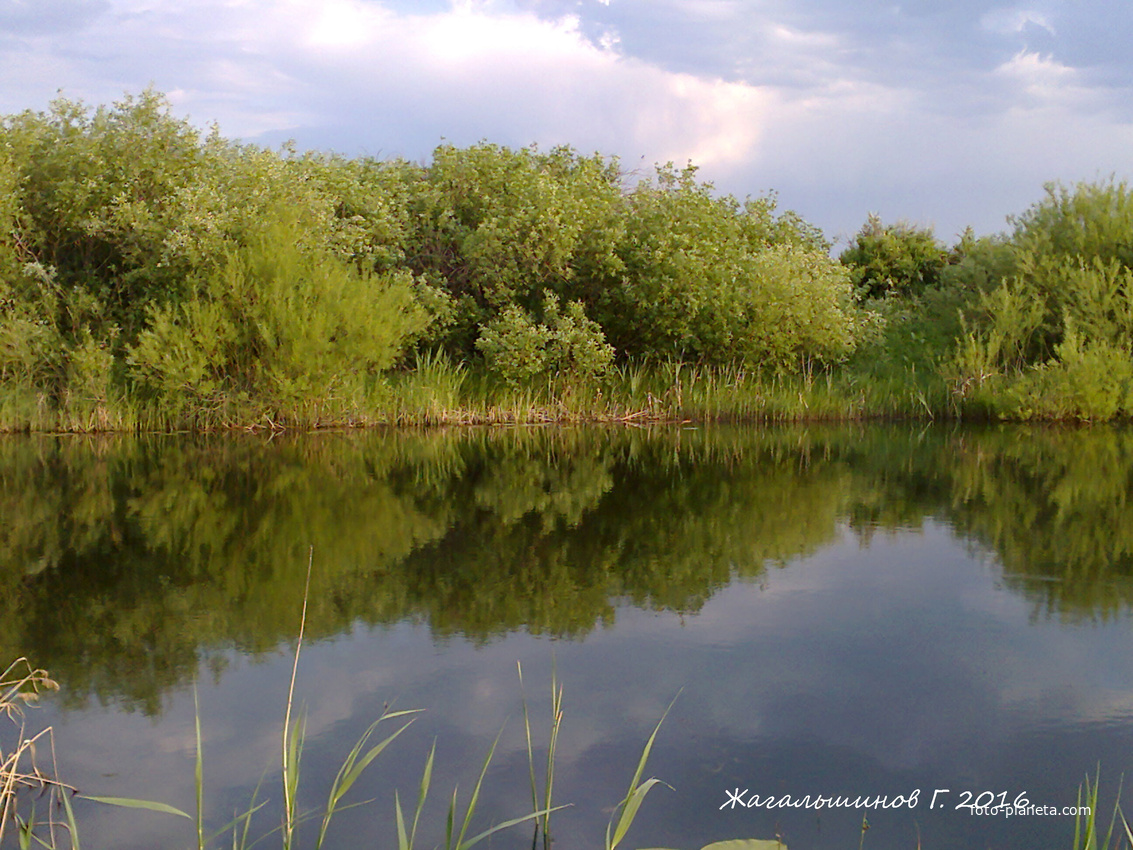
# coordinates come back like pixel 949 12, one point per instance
pixel 440 392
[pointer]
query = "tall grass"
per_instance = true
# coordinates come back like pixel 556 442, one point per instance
pixel 440 391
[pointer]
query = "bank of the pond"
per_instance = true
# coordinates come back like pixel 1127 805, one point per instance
pixel 440 393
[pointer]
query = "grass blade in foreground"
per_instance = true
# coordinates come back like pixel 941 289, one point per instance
pixel 130 803
pixel 353 766
pixel 1086 834
pixel 637 790
pixel 293 737
pixel 404 843
pixel 552 746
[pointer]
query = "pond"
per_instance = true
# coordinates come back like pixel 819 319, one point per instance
pixel 859 612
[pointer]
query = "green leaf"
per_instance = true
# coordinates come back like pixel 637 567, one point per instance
pixel 131 803
pixel 629 811
pixel 488 832
pixel 402 839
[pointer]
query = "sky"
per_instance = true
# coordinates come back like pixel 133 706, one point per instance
pixel 942 113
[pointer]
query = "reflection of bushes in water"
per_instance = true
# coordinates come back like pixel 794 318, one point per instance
pixel 1056 506
pixel 151 551
pixel 123 561
pixel 679 516
pixel 196 543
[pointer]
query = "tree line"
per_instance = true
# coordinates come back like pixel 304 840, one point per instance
pixel 146 265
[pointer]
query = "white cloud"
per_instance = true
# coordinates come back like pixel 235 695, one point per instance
pixel 1042 79
pixel 263 66
pixel 1033 70
pixel 840 125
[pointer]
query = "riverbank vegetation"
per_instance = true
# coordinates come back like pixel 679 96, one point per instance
pixel 156 277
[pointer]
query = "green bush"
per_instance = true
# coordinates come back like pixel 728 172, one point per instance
pixel 711 280
pixel 1088 221
pixel 496 227
pixel 279 323
pixel 1087 380
pixel 1057 332
pixel 894 260
pixel 566 345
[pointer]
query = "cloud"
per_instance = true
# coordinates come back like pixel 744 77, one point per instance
pixel 1039 76
pixel 917 110
pixel 354 69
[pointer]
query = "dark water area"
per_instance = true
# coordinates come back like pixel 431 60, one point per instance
pixel 852 611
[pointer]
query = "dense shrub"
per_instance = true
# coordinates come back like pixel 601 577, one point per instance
pixel 495 228
pixel 278 324
pixel 666 270
pixel 567 344
pixel 1059 329
pixel 712 280
pixel 894 260
pixel 142 257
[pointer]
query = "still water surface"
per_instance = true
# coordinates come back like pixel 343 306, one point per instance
pixel 845 611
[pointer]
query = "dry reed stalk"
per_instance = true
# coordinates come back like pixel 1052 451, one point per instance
pixel 20 685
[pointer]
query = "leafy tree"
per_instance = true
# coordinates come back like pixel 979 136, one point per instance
pixel 710 279
pixel 894 260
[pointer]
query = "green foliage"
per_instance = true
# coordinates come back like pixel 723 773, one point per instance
pixel 496 227
pixel 566 345
pixel 10 246
pixel 142 281
pixel 894 260
pixel 1056 337
pixel 278 323
pixel 116 216
pixel 1002 346
pixel 709 279
pixel 626 810
pixel 1087 380
pixel 100 192
pixel 978 264
pixel 667 270
pixel 515 346
pixel 1090 220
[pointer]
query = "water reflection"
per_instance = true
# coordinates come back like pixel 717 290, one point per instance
pixel 123 561
pixel 849 610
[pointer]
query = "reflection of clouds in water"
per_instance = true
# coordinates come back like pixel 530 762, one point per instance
pixel 860 668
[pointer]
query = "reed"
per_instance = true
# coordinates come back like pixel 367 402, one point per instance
pixel 549 773
pixel 440 391
pixel 1086 829
pixel 22 781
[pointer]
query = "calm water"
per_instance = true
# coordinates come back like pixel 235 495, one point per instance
pixel 851 611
